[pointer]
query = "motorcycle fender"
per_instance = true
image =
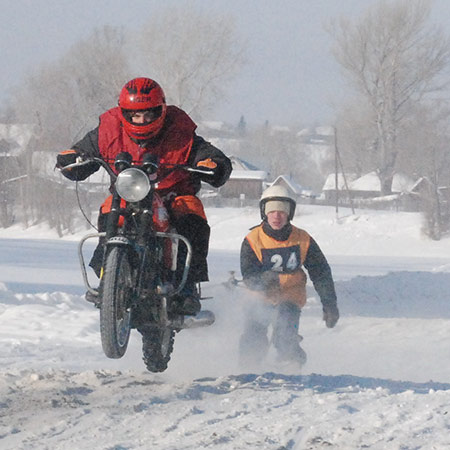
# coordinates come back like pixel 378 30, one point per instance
pixel 122 241
pixel 119 240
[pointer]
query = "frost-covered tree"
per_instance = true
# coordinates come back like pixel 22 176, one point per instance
pixel 63 100
pixel 393 57
pixel 194 55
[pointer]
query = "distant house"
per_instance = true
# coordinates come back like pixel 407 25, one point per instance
pixel 366 191
pixel 296 190
pixel 317 135
pixel 14 141
pixel 369 185
pixel 425 192
pixel 246 181
pixel 329 191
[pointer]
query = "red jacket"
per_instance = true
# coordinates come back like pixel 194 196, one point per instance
pixel 176 143
pixel 172 146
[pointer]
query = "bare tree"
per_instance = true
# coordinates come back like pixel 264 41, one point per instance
pixel 64 100
pixel 193 55
pixel 393 58
pixel 357 138
pixel 427 135
pixel 66 97
pixel 281 152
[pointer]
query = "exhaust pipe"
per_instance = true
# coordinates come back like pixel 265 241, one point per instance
pixel 202 319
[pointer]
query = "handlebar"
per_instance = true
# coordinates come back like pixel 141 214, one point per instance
pixel 113 175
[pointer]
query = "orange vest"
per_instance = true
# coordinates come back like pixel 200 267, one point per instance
pixel 285 257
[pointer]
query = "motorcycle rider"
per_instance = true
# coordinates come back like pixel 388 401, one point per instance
pixel 143 124
pixel 272 257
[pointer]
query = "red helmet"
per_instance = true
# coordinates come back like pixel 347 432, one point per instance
pixel 142 94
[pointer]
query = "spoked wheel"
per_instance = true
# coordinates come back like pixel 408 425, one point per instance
pixel 157 346
pixel 115 312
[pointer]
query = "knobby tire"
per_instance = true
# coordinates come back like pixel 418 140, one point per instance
pixel 157 346
pixel 115 313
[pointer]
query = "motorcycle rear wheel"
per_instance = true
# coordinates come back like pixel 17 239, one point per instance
pixel 115 312
pixel 157 346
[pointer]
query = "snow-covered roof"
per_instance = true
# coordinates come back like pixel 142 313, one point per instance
pixel 304 132
pixel 293 185
pixel 212 124
pixel 279 129
pixel 330 182
pixel 371 182
pixel 248 175
pixel 368 182
pixel 240 164
pixel 317 131
pixel 325 131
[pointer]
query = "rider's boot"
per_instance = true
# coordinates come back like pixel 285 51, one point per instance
pixel 96 264
pixel 188 301
pixel 93 298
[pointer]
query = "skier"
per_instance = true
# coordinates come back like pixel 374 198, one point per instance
pixel 272 257
pixel 142 124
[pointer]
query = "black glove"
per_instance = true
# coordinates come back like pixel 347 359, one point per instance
pixel 208 165
pixel 68 157
pixel 65 158
pixel 330 315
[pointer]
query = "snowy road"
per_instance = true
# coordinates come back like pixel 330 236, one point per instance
pixel 42 265
pixel 379 380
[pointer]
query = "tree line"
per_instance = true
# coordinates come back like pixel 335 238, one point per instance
pixel 394 59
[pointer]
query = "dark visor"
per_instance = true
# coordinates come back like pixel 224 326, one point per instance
pixel 150 114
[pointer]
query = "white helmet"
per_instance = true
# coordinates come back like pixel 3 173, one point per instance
pixel 277 198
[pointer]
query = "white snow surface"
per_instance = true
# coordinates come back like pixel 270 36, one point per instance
pixel 380 379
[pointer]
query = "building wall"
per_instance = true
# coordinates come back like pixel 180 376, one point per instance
pixel 234 189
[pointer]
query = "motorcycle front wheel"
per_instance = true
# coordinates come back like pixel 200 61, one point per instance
pixel 115 312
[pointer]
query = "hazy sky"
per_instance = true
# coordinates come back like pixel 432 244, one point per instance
pixel 290 75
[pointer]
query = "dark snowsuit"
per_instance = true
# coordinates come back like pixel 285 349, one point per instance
pixel 283 288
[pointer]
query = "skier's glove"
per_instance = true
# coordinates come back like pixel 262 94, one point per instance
pixel 330 315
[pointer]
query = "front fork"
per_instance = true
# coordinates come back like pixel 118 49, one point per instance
pixel 109 235
pixel 122 240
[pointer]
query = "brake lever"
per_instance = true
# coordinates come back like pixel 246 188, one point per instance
pixel 204 172
pixel 84 162
pixel 80 163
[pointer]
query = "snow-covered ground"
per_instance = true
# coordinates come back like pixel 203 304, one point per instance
pixel 380 379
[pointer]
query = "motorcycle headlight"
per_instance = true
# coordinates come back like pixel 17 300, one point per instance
pixel 132 185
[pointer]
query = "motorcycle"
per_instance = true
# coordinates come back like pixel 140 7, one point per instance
pixel 140 281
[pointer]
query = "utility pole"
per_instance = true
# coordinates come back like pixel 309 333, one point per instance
pixel 337 164
pixel 336 172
